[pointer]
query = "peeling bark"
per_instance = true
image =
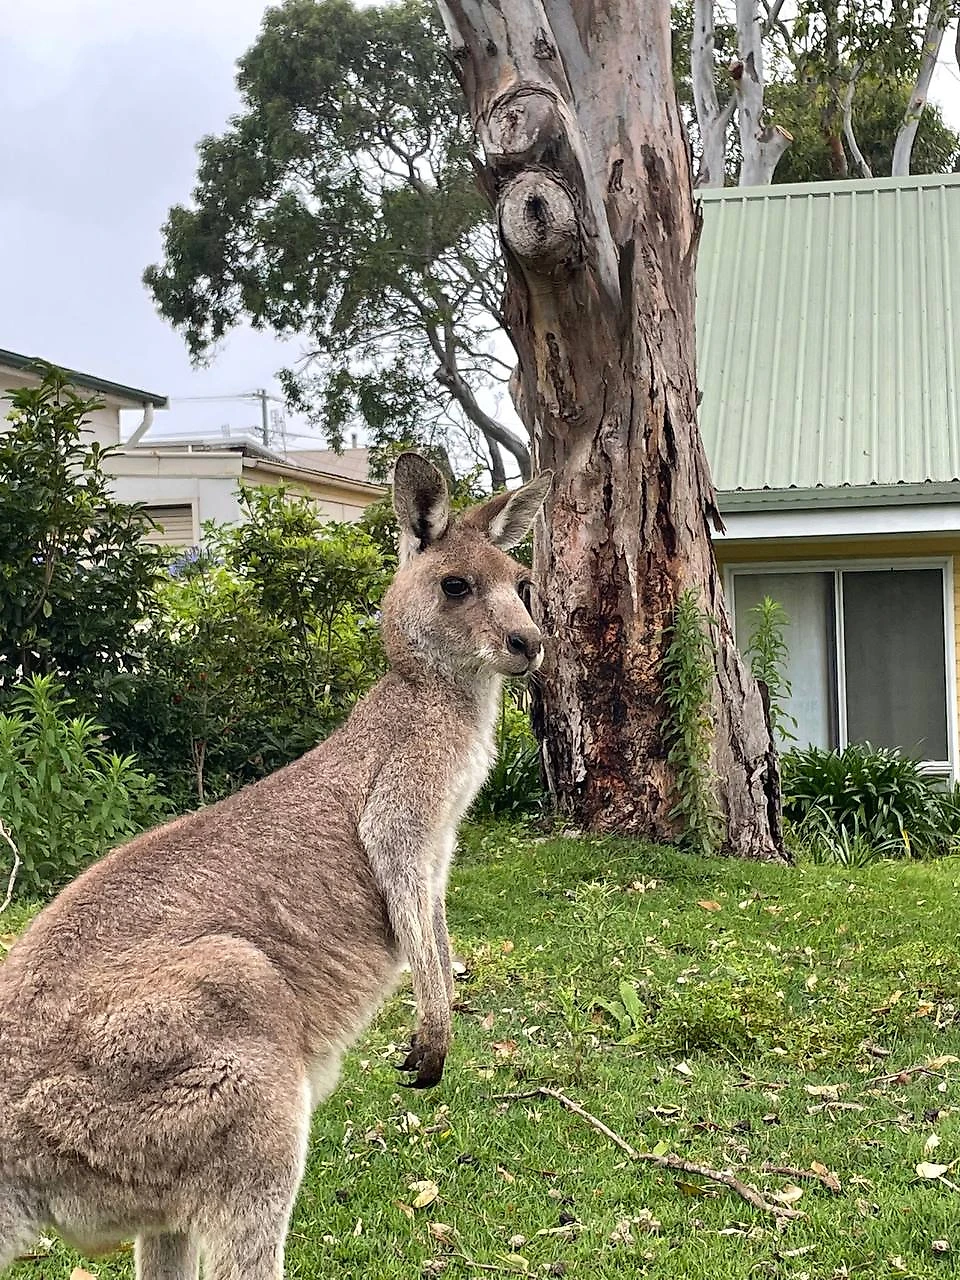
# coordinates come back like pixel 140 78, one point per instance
pixel 587 166
pixel 938 18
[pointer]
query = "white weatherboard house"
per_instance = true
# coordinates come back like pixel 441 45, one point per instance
pixel 183 483
pixel 829 357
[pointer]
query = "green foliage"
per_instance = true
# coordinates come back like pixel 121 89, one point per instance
pixel 76 575
pixel 860 803
pixel 258 647
pixel 341 206
pixel 514 787
pixel 63 798
pixel 767 653
pixel 687 672
pixel 878 110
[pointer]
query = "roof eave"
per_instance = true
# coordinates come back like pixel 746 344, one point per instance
pixel 135 396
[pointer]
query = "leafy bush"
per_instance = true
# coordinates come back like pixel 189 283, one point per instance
pixel 77 575
pixel 514 786
pixel 63 799
pixel 860 803
pixel 257 648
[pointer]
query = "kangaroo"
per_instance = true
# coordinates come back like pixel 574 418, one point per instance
pixel 170 1021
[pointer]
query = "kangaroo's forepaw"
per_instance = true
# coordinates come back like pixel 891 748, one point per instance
pixel 426 1061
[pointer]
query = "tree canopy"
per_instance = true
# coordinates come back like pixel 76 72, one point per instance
pixel 341 206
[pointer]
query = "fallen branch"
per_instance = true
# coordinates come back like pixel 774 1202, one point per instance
pixel 17 864
pixel 725 1177
pixel 828 1180
pixel 898 1077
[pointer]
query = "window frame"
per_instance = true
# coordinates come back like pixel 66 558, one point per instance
pixel 949 768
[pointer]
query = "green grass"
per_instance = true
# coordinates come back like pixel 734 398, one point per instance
pixel 737 1015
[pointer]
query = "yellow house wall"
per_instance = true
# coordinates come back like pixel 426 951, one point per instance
pixel 878 547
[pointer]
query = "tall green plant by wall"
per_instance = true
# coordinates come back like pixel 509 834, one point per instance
pixel 688 694
pixel 768 655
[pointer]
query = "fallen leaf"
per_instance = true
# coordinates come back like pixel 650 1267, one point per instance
pixel 789 1195
pixel 937 1064
pixel 78 1273
pixel 506 947
pixel 441 1231
pixel 505 1174
pixel 516 1262
pixel 426 1193
pixel 798 1253
pixel 931 1144
pixel 566 1230
pixel 487 1022
pixel 517 1242
pixel 939 1247
pixel 932 1171
pixel 358 1229
pixel 709 905
pixel 829 1180
pixel 684 1069
pixel 405 1209
pixel 829 1091
pixel 505 1048
pixel 811 982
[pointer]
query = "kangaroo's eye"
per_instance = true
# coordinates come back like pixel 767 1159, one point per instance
pixel 455 588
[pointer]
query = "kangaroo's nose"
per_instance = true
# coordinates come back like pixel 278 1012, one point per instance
pixel 528 643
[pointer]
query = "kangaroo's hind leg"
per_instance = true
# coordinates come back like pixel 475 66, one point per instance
pixel 173 1255
pixel 19 1226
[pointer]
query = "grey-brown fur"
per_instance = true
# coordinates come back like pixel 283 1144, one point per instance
pixel 168 1023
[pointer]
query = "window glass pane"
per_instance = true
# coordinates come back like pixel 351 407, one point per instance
pixel 893 644
pixel 808 599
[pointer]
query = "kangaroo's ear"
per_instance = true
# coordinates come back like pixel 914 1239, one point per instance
pixel 506 517
pixel 421 502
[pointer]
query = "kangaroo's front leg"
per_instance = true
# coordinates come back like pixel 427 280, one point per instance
pixel 402 871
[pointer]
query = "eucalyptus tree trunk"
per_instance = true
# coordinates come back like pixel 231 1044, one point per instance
pixel 588 171
pixel 712 119
pixel 761 144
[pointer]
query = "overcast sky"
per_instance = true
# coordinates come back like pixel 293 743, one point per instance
pixel 103 102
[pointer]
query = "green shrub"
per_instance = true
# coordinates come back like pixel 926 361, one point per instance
pixel 77 575
pixel 63 799
pixel 514 786
pixel 848 806
pixel 256 649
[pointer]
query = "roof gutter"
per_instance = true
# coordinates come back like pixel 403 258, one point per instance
pixel 844 497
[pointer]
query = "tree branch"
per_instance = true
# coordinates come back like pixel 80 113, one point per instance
pixel 859 159
pixel 725 1177
pixel 448 376
pixel 17 863
pixel 938 17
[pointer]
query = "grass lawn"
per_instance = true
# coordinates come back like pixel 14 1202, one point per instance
pixel 738 1016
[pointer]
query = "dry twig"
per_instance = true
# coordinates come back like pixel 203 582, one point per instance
pixel 17 863
pixel 725 1177
pixel 828 1180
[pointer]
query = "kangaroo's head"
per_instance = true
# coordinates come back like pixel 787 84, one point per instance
pixel 456 606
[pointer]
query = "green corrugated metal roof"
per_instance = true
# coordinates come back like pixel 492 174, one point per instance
pixel 828 323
